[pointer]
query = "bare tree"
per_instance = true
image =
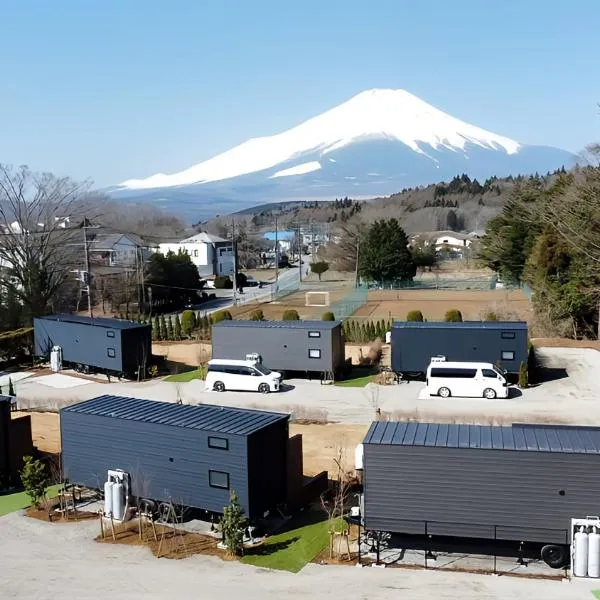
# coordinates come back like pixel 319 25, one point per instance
pixel 335 498
pixel 38 213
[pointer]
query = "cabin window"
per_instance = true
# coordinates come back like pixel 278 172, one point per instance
pixel 508 355
pixel 111 352
pixel 110 334
pixel 218 479
pixel 314 353
pixel 508 335
pixel 314 334
pixel 217 442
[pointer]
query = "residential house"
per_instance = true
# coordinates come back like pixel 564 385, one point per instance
pixel 118 250
pixel 211 254
pixel 285 240
pixel 451 243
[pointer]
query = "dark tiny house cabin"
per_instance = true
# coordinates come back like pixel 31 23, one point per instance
pixel 191 455
pixel 304 346
pixel 113 346
pixel 15 443
pixel 502 343
pixel 519 483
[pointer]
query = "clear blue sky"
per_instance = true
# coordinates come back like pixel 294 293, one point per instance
pixel 117 89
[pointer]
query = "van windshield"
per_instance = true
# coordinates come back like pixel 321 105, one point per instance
pixel 498 371
pixel 262 369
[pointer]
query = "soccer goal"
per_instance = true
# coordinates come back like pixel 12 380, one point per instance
pixel 317 299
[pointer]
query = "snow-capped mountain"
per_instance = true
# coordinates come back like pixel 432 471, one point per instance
pixel 376 143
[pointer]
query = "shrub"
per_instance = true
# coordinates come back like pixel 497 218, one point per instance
pixel 223 282
pixel 319 268
pixel 233 524
pixel 290 315
pixel 177 328
pixel 156 330
pixel 490 316
pixel 35 479
pixel 453 316
pixel 414 315
pixel 170 332
pixel 328 316
pixel 188 322
pixel 163 328
pixel 257 315
pixel 221 315
pixel 523 377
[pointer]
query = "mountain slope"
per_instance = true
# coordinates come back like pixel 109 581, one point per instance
pixel 374 144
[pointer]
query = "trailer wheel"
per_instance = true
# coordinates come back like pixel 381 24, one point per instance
pixel 264 388
pixel 555 556
pixel 444 392
pixel 219 386
pixel 489 393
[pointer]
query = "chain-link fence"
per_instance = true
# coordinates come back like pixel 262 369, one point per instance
pixel 351 302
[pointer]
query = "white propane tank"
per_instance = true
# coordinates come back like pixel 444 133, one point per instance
pixel 594 553
pixel 388 337
pixel 358 457
pixel 108 497
pixel 118 501
pixel 56 359
pixel 580 560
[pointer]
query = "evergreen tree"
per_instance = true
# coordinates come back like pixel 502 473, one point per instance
pixel 11 388
pixel 363 333
pixel 188 322
pixel 163 328
pixel 177 328
pixel 170 333
pixel 384 253
pixel 233 524
pixel 156 330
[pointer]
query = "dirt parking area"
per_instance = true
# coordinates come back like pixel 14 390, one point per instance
pixel 69 563
pixel 474 304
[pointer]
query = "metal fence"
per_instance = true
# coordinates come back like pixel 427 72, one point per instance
pixel 351 302
pixel 441 283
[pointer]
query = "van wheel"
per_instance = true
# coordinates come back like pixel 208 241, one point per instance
pixel 444 392
pixel 264 388
pixel 555 556
pixel 219 386
pixel 489 393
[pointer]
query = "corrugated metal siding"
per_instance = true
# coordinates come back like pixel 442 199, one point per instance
pixel 523 437
pixel 476 492
pixel 220 419
pixel 301 324
pixel 165 463
pixel 267 467
pixel 281 348
pixel 413 347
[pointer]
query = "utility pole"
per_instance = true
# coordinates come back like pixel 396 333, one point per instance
pixel 300 253
pixel 356 266
pixel 312 239
pixel 276 259
pixel 87 276
pixel 233 247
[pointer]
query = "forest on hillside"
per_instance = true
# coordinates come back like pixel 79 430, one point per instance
pixel 462 204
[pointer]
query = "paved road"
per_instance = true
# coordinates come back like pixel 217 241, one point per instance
pixel 44 560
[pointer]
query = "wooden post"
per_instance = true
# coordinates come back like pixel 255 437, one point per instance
pixel 112 527
pixel 101 524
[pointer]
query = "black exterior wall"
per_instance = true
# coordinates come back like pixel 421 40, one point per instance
pixel 165 448
pixel 501 491
pixel 414 344
pixel 111 345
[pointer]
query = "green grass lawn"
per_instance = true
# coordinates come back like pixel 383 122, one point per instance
pixel 187 376
pixel 357 382
pixel 11 502
pixel 292 549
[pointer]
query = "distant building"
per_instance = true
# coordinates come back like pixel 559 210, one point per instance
pixel 117 250
pixel 449 242
pixel 285 239
pixel 211 254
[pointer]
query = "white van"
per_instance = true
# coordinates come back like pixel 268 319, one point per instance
pixel 247 375
pixel 467 379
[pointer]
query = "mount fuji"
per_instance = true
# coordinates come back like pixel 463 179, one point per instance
pixel 375 144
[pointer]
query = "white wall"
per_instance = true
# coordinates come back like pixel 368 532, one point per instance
pixel 201 255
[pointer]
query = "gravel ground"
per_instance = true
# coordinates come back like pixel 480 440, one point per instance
pixel 61 560
pixel 571 396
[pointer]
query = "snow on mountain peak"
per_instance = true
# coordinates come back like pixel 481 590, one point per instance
pixel 376 113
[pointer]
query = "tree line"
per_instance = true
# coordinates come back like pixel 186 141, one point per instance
pixel 547 237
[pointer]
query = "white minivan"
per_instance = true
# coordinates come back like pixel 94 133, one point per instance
pixel 467 379
pixel 246 375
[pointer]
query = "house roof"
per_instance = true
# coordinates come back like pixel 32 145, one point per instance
pixel 511 325
pixel 95 321
pixel 207 417
pixel 312 325
pixel 519 437
pixel 203 238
